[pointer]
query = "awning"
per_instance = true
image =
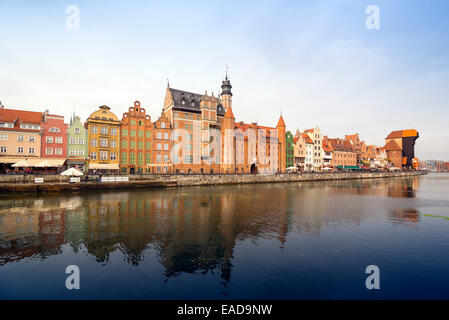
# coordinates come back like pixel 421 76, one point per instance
pixel 104 166
pixel 39 163
pixel 10 159
pixel 49 163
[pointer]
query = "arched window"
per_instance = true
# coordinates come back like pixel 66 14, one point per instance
pixel 132 158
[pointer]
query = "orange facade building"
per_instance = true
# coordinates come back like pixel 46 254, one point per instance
pixel 136 147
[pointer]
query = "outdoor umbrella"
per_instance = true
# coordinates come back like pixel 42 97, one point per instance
pixel 72 172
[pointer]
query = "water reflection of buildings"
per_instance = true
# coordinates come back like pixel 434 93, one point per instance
pixel 191 230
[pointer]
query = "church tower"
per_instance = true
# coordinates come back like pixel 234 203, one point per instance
pixel 226 94
pixel 282 144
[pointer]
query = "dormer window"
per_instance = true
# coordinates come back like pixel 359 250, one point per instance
pixel 193 103
pixel 54 129
pixel 183 102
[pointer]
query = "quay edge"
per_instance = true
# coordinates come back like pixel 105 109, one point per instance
pixel 57 183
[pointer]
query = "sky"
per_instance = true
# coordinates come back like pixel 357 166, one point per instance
pixel 314 61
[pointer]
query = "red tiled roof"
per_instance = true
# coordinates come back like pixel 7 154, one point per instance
pixel 327 146
pixel 402 134
pixel 281 122
pixel 229 113
pixel 307 138
pixel 10 115
pixel 20 116
pixel 392 146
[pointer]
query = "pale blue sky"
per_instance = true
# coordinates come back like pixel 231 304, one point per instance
pixel 314 60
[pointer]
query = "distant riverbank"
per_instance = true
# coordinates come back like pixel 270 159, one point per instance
pixel 55 183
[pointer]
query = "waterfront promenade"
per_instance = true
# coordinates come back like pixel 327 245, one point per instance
pixel 55 183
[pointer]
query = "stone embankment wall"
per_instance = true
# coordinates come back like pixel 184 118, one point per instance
pixel 18 183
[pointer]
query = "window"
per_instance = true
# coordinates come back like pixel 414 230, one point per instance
pixel 93 142
pixel 113 143
pixel 159 146
pixel 103 155
pixel 165 157
pixel 158 158
pixel 114 131
pixel 166 135
pixel 148 158
pixel 72 141
pixel 48 150
pixel 125 132
pixel 3 137
pixel 140 144
pixel 124 144
pixel 165 146
pixel 31 150
pixel 80 152
pixel 133 122
pixel 31 138
pixel 176 114
pixel 162 125
pixel 104 143
pixel 72 152
pixel 124 158
pixel 132 144
pixel 80 141
pixel 54 129
pixel 132 133
pixel 58 139
pixel 77 130
pixel 140 133
pixel 58 151
pixel 20 137
pixel 94 130
pixel 188 159
pixel 93 156
pixel 104 130
pixel 3 149
pixel 147 145
pixel 132 158
pixel 20 150
pixel 159 135
pixel 140 158
pixel 113 156
pixel 148 134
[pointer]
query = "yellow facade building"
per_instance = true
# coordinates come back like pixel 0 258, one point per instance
pixel 103 128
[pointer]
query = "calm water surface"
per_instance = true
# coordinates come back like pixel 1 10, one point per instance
pixel 269 241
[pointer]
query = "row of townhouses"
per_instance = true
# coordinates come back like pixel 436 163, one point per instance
pixel 195 133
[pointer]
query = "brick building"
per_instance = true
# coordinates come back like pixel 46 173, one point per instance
pixel 136 145
pixel 54 136
pixel 343 154
pixel 207 139
pixel 400 147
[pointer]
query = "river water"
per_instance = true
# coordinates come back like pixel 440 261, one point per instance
pixel 310 240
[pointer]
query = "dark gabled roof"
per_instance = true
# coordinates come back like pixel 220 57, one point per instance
pixel 189 97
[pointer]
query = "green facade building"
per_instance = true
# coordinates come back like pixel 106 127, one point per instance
pixel 77 144
pixel 289 149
